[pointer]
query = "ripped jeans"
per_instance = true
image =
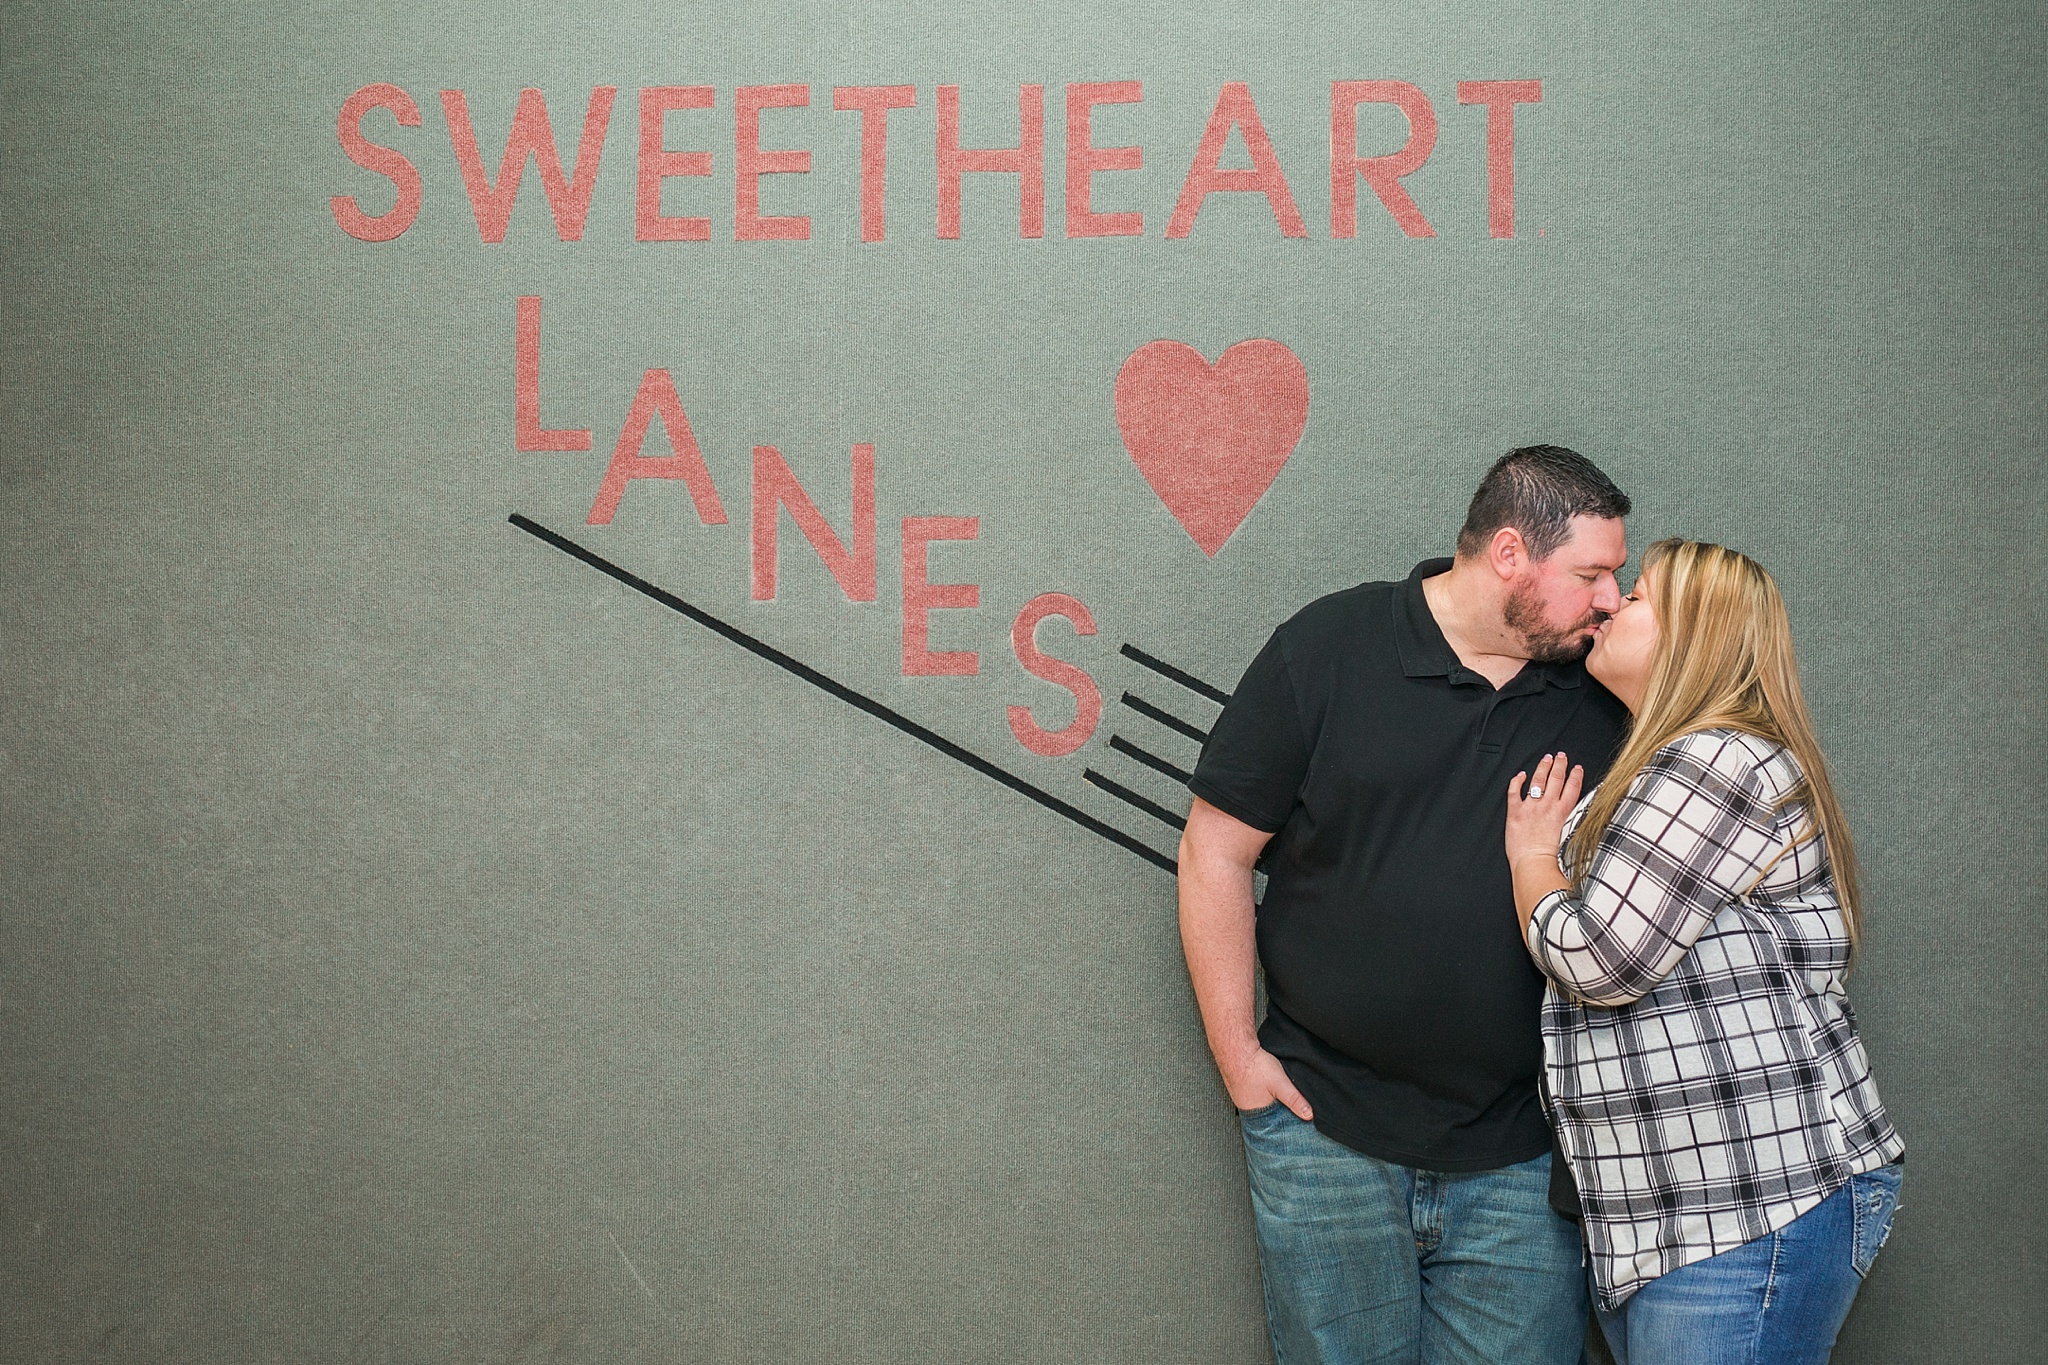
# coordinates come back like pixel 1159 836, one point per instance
pixel 1778 1300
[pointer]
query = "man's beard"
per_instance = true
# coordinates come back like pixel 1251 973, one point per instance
pixel 1544 643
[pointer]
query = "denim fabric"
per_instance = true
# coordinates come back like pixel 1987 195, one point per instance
pixel 1366 1262
pixel 1778 1300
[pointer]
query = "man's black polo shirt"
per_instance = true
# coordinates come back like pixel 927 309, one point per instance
pixel 1399 994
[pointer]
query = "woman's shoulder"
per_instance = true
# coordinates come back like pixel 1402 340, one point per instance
pixel 1724 754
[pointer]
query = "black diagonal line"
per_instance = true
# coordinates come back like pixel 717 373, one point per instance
pixel 1157 812
pixel 847 694
pixel 1167 670
pixel 1124 746
pixel 1171 722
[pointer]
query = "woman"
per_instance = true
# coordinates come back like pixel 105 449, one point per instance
pixel 1695 918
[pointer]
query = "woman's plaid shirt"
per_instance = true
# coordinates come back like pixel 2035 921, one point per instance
pixel 1706 1077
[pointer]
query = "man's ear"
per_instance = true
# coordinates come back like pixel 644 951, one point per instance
pixel 1508 553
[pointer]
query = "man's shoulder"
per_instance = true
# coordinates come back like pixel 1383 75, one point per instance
pixel 1353 614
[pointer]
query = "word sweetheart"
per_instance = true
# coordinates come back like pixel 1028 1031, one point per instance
pixel 569 191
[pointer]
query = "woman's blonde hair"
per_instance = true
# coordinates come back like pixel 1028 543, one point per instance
pixel 1723 661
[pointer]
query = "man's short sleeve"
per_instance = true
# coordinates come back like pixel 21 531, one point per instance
pixel 1257 755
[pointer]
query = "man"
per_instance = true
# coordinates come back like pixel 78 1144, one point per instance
pixel 1398 1153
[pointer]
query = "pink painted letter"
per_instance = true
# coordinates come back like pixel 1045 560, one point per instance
pixel 1206 176
pixel 531 136
pixel 776 487
pixel 527 432
pixel 1087 698
pixel 874 103
pixel 393 166
pixel 921 596
pixel 1383 173
pixel 657 163
pixel 752 163
pixel 657 395
pixel 1026 161
pixel 1500 99
pixel 1084 159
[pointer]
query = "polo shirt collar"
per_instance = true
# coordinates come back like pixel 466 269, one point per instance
pixel 1425 653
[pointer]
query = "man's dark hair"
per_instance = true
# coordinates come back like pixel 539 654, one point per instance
pixel 1538 490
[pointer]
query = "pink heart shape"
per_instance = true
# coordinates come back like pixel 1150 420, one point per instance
pixel 1210 439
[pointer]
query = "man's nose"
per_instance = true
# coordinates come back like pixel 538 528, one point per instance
pixel 1607 595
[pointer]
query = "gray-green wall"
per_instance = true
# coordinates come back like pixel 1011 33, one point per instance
pixel 417 946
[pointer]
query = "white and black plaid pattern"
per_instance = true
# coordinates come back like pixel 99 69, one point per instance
pixel 1706 1077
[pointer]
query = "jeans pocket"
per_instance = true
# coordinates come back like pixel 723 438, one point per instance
pixel 1264 1111
pixel 1876 1198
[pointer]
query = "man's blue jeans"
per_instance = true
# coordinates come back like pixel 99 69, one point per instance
pixel 1778 1300
pixel 1367 1262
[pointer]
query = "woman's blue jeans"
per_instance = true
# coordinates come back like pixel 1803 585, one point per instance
pixel 1778 1300
pixel 1369 1263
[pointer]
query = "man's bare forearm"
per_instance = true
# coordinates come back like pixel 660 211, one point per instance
pixel 1219 934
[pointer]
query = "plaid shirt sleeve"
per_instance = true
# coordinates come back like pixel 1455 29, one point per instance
pixel 1700 822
